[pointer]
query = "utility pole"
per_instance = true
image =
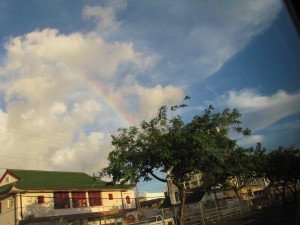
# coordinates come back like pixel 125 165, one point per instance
pixel 138 201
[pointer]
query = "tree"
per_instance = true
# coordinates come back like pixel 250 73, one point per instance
pixel 282 170
pixel 168 144
pixel 240 167
pixel 243 168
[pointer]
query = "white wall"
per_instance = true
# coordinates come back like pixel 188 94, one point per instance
pixel 27 205
pixel 7 215
pixel 152 195
pixel 30 204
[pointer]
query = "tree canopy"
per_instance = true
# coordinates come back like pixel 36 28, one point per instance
pixel 282 169
pixel 168 144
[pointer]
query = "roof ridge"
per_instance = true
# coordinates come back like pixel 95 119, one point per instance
pixel 46 171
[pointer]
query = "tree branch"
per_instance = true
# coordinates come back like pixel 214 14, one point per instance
pixel 156 177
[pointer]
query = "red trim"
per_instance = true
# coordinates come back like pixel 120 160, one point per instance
pixel 9 173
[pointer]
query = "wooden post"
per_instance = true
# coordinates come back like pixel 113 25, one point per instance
pixel 21 207
pixel 217 208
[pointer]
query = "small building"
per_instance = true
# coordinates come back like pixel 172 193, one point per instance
pixel 150 203
pixel 52 198
pixel 152 196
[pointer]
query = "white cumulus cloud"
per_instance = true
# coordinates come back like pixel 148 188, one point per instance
pixel 64 94
pixel 260 111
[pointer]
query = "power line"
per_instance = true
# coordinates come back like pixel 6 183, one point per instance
pixel 15 157
pixel 50 137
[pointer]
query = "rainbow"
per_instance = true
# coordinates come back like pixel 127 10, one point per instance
pixel 98 90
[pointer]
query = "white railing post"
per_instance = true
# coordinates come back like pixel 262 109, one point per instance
pixel 201 212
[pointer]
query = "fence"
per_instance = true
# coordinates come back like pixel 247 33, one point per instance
pixel 210 212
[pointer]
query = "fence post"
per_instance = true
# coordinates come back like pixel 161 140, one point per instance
pixel 240 206
pixel 201 212
pixel 232 208
pixel 217 209
pixel 249 203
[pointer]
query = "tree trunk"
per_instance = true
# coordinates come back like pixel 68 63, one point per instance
pixel 295 192
pixel 236 191
pixel 293 189
pixel 216 197
pixel 181 213
pixel 283 194
pixel 239 198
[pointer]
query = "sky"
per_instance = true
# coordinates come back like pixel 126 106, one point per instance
pixel 73 72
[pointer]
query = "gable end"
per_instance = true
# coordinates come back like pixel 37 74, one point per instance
pixel 8 178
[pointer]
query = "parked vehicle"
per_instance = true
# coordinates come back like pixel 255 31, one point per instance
pixel 157 220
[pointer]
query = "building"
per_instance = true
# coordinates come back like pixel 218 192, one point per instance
pixel 194 193
pixel 152 196
pixel 52 198
pixel 150 203
pixel 249 191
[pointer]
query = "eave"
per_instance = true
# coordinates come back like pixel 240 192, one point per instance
pixel 14 189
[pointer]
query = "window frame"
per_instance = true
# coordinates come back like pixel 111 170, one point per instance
pixel 61 200
pixel 95 198
pixel 79 199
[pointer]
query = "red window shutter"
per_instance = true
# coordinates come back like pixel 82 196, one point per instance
pixel 127 199
pixel 41 199
pixel 110 196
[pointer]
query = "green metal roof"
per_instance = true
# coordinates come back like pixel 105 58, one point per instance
pixel 5 188
pixel 54 180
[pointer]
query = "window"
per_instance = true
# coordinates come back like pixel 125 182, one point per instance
pixel 78 199
pixel 41 199
pixel 10 203
pixel 110 196
pixel 95 198
pixel 7 179
pixel 61 200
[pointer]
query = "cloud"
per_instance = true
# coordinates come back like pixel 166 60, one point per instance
pixel 88 154
pixel 251 141
pixel 82 54
pixel 105 18
pixel 228 30
pixel 259 111
pixel 65 94
pixel 144 102
pixel 203 35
